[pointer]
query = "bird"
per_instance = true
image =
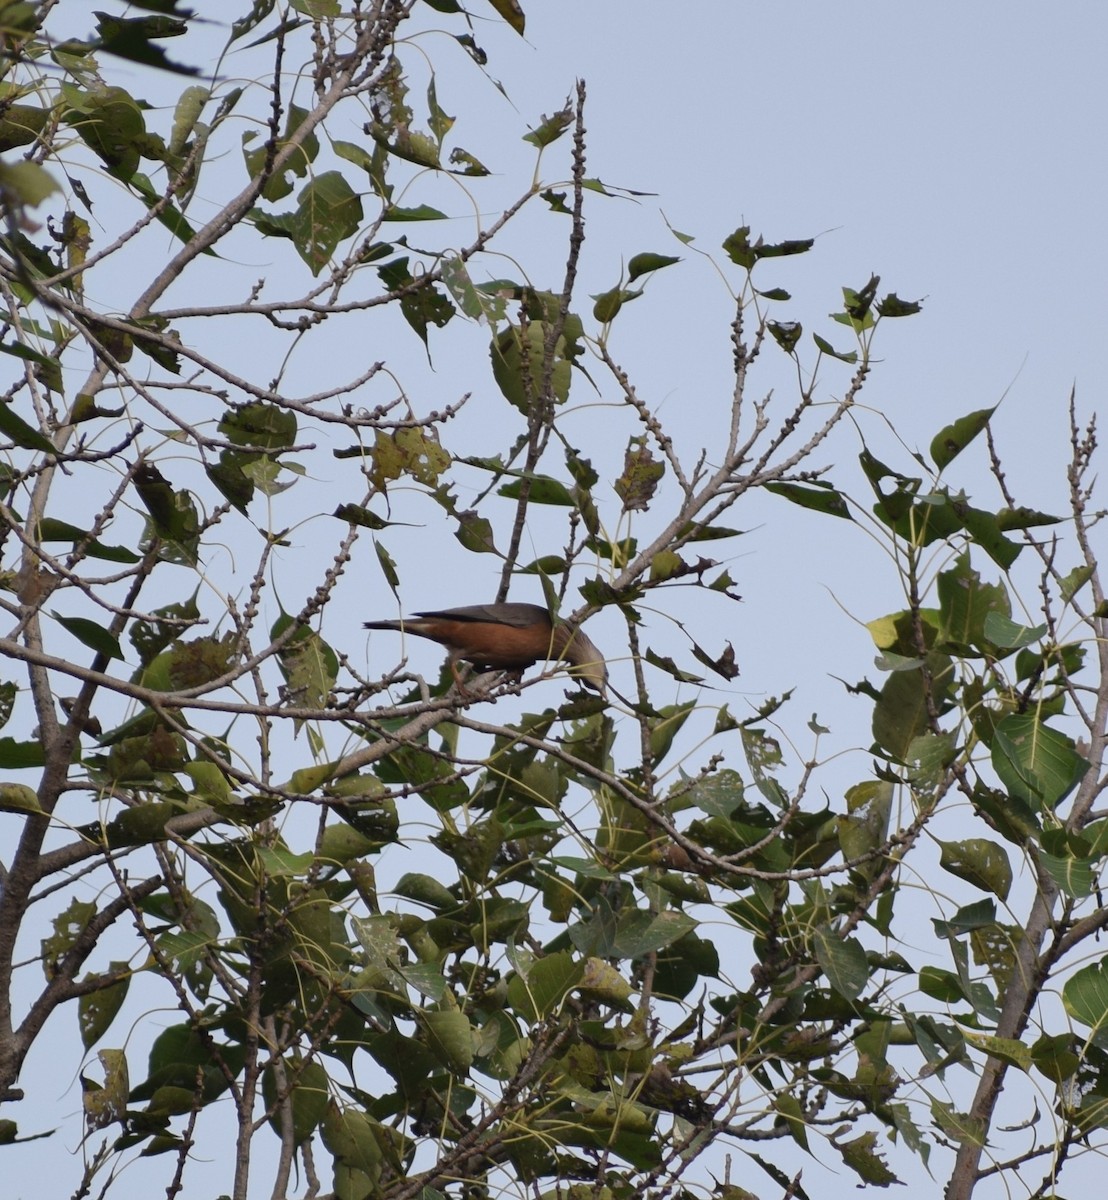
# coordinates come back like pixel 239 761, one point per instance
pixel 506 637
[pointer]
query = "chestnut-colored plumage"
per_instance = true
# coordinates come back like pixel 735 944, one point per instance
pixel 506 637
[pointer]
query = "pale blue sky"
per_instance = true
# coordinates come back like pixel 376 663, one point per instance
pixel 955 149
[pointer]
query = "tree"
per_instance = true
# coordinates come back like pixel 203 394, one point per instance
pixel 420 940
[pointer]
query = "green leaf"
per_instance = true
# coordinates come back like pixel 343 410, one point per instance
pixel 129 38
pixel 475 533
pixel 601 981
pixel 50 529
pixel 413 452
pixel 190 664
pixel 26 182
pixel 745 253
pixel 550 128
pixel 422 304
pixel 718 795
pixel 846 356
pixel 665 726
pixel 980 862
pixel 1007 634
pixel 1073 582
pixel 211 785
pixel 664 663
pixel 105 1104
pixel 173 513
pixel 20 125
pixel 981 914
pixel 1055 1057
pixel 861 1155
pixel 96 1010
pixel 818 496
pixel 897 632
pixel 190 106
pixel 259 426
pixel 18 798
pixel 422 212
pixel 542 489
pixel 69 924
pixel 8 694
pixel 643 264
pixel 472 301
pixel 789 1108
pixel 329 212
pixel 243 25
pixel 949 442
pixel 13 426
pixel 466 163
pixel 425 978
pixel 17 755
pixel 547 982
pixel 892 306
pixel 426 889
pixel 640 933
pixel 958 1126
pixel 168 214
pixel 786 334
pixel 985 530
pixel 278 861
pixel 519 362
pixel 784 249
pixel 666 565
pixel 609 303
pixel 842 960
pixel 355 514
pixel 1008 519
pixel 359 1144
pixel 48 370
pixel 151 638
pixel 279 185
pixel 343 844
pixel 929 755
pixel 966 602
pixel 1036 763
pixel 91 634
pixel 180 1055
pixel 449 1037
pixel 1085 995
pixel 921 521
pixel 308 1094
pixel 1074 876
pixel 738 248
pixel 110 123
pixel 902 713
pixel 865 825
pixel 858 304
pixel 642 472
pixel 353 153
pixel 308 663
pixel 388 567
pixel 512 13
pixel 941 985
pixel 317 10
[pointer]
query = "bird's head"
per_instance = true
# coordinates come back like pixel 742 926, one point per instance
pixel 585 660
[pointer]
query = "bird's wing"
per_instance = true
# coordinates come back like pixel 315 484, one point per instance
pixel 519 616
